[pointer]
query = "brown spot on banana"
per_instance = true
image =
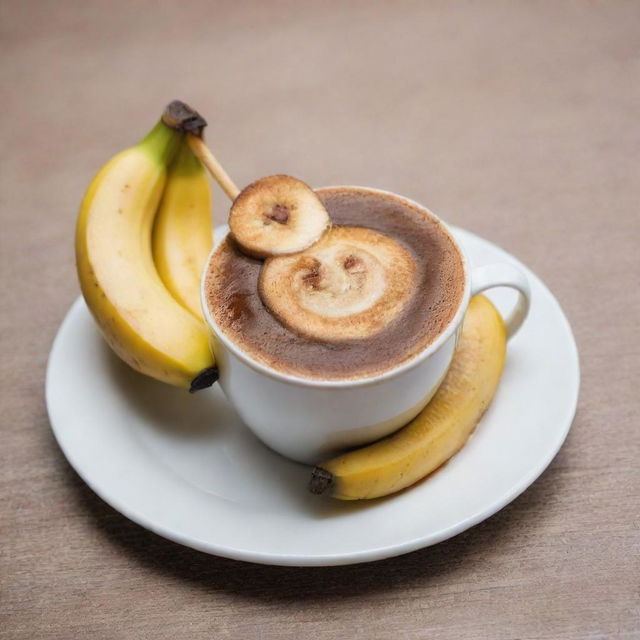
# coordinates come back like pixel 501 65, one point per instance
pixel 279 214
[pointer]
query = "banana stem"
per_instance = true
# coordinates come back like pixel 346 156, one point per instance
pixel 207 158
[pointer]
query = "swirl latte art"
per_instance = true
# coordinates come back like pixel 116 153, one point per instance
pixel 350 285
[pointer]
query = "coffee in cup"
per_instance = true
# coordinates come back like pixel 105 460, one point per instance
pixel 378 288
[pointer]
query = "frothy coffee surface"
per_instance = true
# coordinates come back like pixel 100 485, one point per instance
pixel 233 298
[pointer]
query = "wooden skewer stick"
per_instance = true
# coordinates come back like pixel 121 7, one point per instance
pixel 207 158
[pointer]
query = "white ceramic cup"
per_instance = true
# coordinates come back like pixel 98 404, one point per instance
pixel 309 420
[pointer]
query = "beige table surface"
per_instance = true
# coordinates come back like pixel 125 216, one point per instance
pixel 517 120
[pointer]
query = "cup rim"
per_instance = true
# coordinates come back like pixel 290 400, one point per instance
pixel 363 381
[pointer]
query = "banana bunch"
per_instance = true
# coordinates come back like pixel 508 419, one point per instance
pixel 143 234
pixel 439 431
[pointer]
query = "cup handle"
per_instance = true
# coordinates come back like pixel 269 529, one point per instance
pixel 505 275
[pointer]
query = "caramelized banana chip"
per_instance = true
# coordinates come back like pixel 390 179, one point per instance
pixel 277 215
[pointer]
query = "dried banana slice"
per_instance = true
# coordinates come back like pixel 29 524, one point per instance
pixel 277 215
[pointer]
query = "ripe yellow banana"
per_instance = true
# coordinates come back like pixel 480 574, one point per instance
pixel 183 230
pixel 138 316
pixel 439 431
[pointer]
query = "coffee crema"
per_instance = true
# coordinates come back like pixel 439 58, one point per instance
pixel 232 295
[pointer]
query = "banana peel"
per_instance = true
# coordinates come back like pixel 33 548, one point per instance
pixel 183 230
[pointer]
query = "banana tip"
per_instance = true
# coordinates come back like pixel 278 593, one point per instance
pixel 179 115
pixel 204 379
pixel 321 481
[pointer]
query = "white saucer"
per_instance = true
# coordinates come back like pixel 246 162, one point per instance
pixel 186 468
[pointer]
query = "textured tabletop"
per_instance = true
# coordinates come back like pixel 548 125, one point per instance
pixel 517 120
